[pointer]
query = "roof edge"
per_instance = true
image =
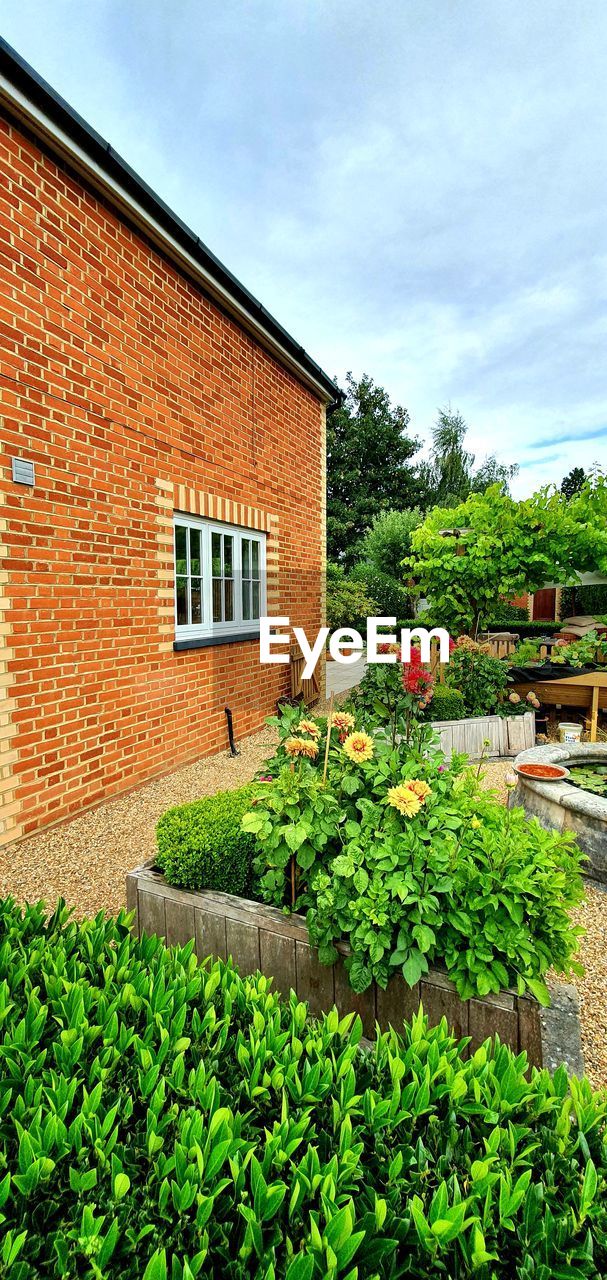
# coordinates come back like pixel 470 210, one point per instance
pixel 34 102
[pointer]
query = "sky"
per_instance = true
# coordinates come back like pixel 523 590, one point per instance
pixel 417 189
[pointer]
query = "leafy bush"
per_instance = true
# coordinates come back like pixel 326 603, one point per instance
pixel 527 630
pixel 447 704
pixel 161 1119
pixel 202 845
pixel 480 677
pixel 586 651
pixel 507 612
pixel 391 598
pixel 388 541
pixel 348 604
pixel 410 863
pixel 577 601
pixel 394 696
pixel 527 653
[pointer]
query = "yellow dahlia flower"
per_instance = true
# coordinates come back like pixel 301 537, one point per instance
pixel 310 727
pixel 359 746
pixel 301 747
pixel 343 721
pixel 419 788
pixel 405 800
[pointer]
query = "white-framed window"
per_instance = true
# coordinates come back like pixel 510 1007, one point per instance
pixel 220 573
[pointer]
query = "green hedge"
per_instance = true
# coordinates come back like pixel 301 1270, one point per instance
pixel 202 845
pixel 162 1121
pixel 446 704
pixel 526 630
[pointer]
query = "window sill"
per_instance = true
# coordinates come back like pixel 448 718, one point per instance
pixel 206 642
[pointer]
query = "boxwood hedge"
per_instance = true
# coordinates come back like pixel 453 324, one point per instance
pixel 165 1120
pixel 202 845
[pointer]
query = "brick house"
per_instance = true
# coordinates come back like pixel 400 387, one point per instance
pixel 161 475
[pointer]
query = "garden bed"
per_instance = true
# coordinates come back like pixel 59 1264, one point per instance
pixel 264 938
pixel 506 735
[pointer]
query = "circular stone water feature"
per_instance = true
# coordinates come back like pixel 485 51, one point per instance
pixel 564 807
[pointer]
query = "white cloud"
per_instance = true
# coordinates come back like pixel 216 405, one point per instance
pixel 416 190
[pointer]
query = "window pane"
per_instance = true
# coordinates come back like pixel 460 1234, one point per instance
pixel 196 600
pixel 216 554
pixel 228 555
pixel 181 588
pixel 255 550
pixel 246 558
pixel 255 586
pixel 217 609
pixel 181 549
pixel 246 600
pixel 195 568
pixel 229 600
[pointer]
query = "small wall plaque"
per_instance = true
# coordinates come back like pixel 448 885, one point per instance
pixel 23 471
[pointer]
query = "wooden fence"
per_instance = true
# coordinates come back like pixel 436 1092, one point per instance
pixel 500 645
pixel 309 690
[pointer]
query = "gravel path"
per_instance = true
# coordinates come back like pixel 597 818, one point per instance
pixel 85 861
pixel 592 988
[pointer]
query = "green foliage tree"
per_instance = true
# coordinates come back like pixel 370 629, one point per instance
pixel 449 477
pixel 348 601
pixel 573 482
pixel 368 465
pixel 493 472
pixel 388 541
pixel 466 558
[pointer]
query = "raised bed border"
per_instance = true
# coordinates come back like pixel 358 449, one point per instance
pixel 507 735
pixel 258 937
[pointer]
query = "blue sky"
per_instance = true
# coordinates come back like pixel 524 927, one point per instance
pixel 416 188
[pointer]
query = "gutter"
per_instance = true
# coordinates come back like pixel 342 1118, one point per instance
pixel 31 101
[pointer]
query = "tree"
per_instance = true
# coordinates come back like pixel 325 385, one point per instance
pixel 368 465
pixel 493 472
pixel 451 462
pixel 449 476
pixel 388 541
pixel 574 482
pixel 465 559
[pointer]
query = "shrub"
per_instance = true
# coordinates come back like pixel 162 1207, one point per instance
pixel 348 604
pixel 410 863
pixel 577 601
pixel 390 597
pixel 480 677
pixel 526 630
pixel 163 1119
pixel 507 612
pixel 388 541
pixel 202 845
pixel 447 704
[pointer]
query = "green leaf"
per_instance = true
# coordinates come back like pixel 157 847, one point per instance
pixel 414 966
pixel 343 866
pixel 121 1185
pixel 539 990
pixel 301 1267
pixel 157 1266
pixel 296 834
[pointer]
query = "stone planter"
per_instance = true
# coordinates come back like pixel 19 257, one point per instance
pixel 563 807
pixel 506 736
pixel 260 937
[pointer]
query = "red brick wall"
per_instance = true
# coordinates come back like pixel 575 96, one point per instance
pixel 120 380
